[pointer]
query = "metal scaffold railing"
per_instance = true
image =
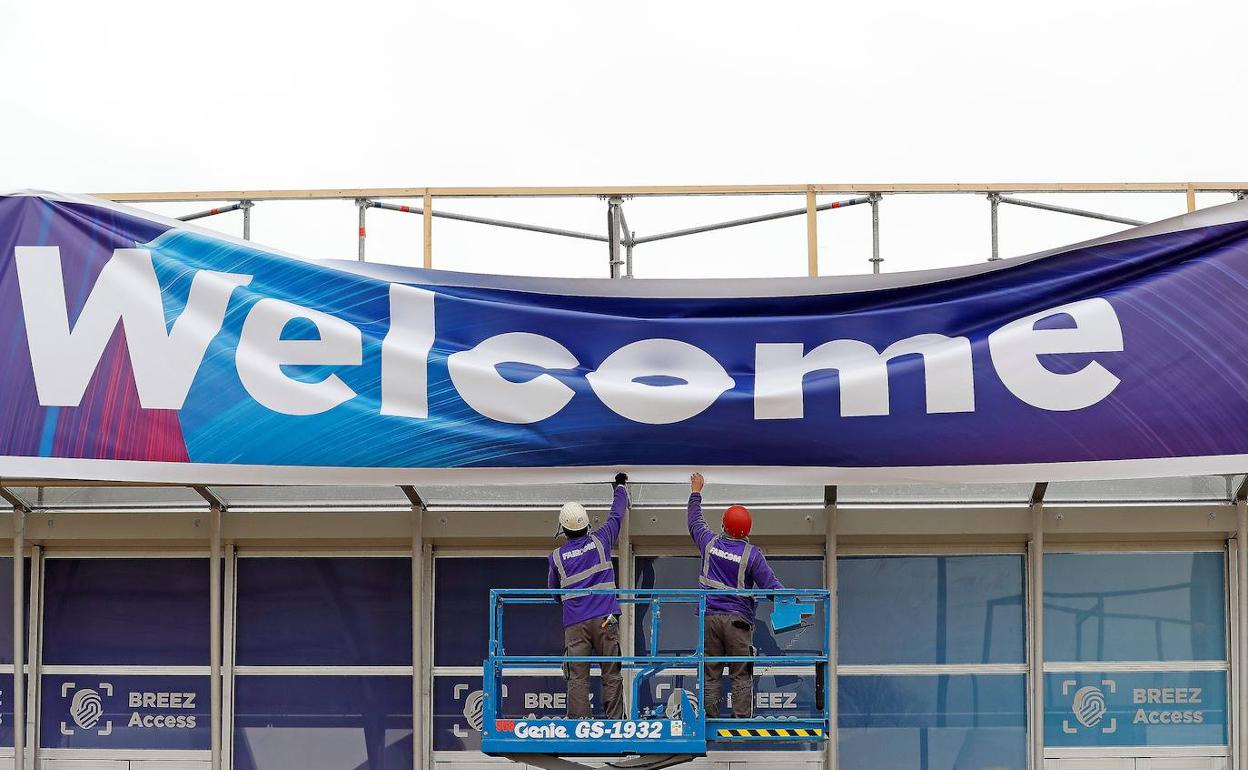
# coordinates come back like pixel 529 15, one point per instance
pixel 656 734
pixel 621 240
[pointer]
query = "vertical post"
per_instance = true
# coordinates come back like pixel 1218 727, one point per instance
pixel 214 633
pixel 1191 197
pixel 246 207
pixel 994 200
pixel 613 234
pixel 228 613
pixel 812 236
pixel 628 254
pixel 876 259
pixel 33 645
pixel 627 580
pixel 362 204
pixel 829 583
pixel 1035 603
pixel 418 579
pixel 427 216
pixel 1240 745
pixel 19 660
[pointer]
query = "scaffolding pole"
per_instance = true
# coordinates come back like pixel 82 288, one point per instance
pixel 246 207
pixel 751 220
pixel 214 212
pixel 1069 210
pixel 994 200
pixel 362 204
pixel 876 259
pixel 485 221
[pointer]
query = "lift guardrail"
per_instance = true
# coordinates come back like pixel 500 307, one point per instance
pixel 678 727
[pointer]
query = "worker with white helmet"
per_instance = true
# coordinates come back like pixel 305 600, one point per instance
pixel 730 562
pixel 590 622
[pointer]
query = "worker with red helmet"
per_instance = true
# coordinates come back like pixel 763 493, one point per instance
pixel 729 561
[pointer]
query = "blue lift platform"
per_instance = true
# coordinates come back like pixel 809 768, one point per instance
pixel 665 734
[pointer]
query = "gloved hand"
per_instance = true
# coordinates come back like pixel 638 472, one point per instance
pixel 620 478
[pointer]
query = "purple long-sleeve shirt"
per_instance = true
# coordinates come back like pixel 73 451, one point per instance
pixel 724 565
pixel 582 554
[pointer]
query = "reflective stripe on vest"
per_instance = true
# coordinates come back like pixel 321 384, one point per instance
pixel 709 582
pixel 603 565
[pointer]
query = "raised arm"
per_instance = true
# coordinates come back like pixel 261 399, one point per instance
pixel 701 534
pixel 610 529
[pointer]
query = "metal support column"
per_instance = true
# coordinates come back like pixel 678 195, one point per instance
pixel 812 236
pixel 362 204
pixel 418 579
pixel 229 613
pixel 613 234
pixel 630 240
pixel 1240 743
pixel 994 201
pixel 829 583
pixel 214 632
pixel 1035 617
pixel 246 207
pixel 876 259
pixel 627 577
pixel 19 623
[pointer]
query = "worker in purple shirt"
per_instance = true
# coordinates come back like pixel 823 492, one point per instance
pixel 729 561
pixel 590 622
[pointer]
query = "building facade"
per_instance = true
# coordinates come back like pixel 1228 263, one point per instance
pixel 353 621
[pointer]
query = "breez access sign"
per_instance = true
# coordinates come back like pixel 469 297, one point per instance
pixel 125 712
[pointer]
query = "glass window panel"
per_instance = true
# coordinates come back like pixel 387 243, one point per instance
pixel 337 496
pixel 931 609
pixel 1134 606
pixel 461 609
pixel 323 723
pixel 1179 488
pixel 107 711
pixel 126 612
pixel 118 497
pixel 324 611
pixel 1154 708
pixel 964 722
pixel 6 613
pixel 891 494
pixel 678 631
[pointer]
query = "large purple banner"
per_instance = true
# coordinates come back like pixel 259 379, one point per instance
pixel 134 347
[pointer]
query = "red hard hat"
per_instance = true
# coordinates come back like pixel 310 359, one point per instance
pixel 737 521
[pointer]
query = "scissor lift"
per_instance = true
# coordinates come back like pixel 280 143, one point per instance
pixel 663 735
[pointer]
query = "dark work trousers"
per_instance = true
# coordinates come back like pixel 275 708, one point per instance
pixel 729 635
pixel 592 637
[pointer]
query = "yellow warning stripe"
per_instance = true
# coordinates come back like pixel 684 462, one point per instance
pixel 774 732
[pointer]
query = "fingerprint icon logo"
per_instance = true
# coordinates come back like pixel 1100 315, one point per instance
pixel 86 708
pixel 1089 705
pixel 473 709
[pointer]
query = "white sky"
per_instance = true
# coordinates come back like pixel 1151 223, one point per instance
pixel 123 96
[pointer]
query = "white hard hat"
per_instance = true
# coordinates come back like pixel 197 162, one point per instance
pixel 573 517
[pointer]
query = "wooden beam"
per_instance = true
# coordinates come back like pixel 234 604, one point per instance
pixel 428 229
pixel 671 190
pixel 1191 198
pixel 812 236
